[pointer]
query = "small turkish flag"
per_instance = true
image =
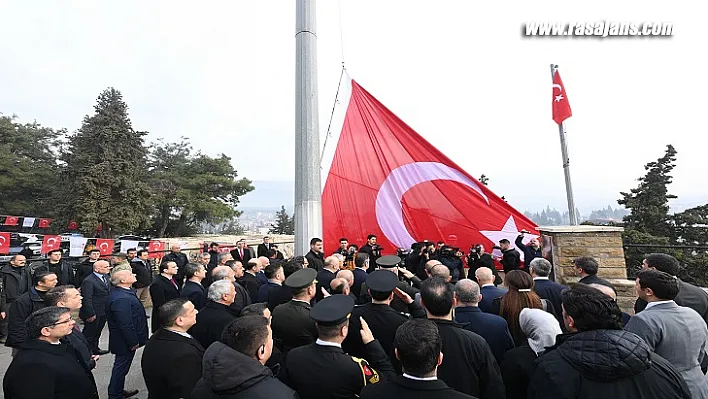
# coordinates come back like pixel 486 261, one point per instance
pixel 561 106
pixel 4 243
pixel 50 243
pixel 73 225
pixel 11 221
pixel 44 223
pixel 105 246
pixel 156 249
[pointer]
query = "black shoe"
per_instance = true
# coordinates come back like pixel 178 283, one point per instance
pixel 131 393
pixel 101 352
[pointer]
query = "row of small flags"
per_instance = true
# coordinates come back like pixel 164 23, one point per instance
pixel 42 223
pixel 77 245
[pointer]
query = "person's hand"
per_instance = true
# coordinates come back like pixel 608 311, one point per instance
pixel 2 315
pixel 366 335
pixel 405 272
pixel 91 319
pixel 134 348
pixel 404 297
pixel 324 292
pixel 95 358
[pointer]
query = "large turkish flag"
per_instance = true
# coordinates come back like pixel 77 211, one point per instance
pixel 387 180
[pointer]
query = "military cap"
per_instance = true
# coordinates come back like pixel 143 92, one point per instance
pixel 382 281
pixel 332 310
pixel 388 261
pixel 301 278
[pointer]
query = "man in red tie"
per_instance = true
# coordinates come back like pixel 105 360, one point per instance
pixel 241 253
pixel 163 288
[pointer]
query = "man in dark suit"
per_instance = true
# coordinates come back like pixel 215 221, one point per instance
pixel 469 364
pixel 531 250
pixel 420 360
pixel 25 305
pixel 95 289
pixel 276 277
pixel 216 314
pixel 128 330
pixel 326 275
pixel 361 265
pixel 193 289
pixel 176 255
pixel 263 248
pixel 47 366
pixel 338 375
pixel 315 258
pixel 250 279
pixel 689 295
pixel 545 288
pixel 587 267
pixel 67 296
pixel 85 268
pixel 494 329
pixel 291 322
pixel 172 359
pixel 143 273
pixel 241 253
pixel 489 291
pixel 163 288
pixel 213 255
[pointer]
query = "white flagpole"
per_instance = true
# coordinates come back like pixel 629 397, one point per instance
pixel 566 165
pixel 308 192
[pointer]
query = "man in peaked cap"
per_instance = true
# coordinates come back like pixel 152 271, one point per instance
pixel 382 319
pixel 411 284
pixel 338 375
pixel 291 323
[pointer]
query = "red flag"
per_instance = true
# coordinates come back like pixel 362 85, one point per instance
pixel 386 180
pixel 44 223
pixel 561 106
pixel 50 242
pixel 4 243
pixel 105 246
pixel 73 225
pixel 11 221
pixel 155 249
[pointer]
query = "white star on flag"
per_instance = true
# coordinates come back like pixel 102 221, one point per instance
pixel 559 97
pixel 510 232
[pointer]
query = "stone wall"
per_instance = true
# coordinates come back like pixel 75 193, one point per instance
pixel 562 244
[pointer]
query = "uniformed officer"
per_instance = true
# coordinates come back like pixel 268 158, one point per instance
pixel 390 263
pixel 380 316
pixel 291 322
pixel 322 370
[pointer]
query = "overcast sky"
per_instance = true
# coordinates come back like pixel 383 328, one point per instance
pixel 459 72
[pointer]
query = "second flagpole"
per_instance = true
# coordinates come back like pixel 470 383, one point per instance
pixel 566 166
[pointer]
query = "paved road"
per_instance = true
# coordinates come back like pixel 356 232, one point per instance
pixel 102 372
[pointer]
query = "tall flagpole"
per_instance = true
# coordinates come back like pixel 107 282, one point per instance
pixel 308 192
pixel 566 165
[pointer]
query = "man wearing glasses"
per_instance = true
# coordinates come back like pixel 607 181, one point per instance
pixel 47 359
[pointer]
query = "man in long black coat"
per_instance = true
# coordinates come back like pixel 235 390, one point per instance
pixel 25 305
pixel 172 359
pixel 163 288
pixel 216 314
pixel 291 321
pixel 95 289
pixel 176 255
pixel 46 366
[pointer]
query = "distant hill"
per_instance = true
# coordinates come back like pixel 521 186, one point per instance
pixel 269 196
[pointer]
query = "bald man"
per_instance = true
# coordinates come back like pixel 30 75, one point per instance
pixel 489 291
pixel 326 275
pixel 612 294
pixel 264 261
pixel 95 289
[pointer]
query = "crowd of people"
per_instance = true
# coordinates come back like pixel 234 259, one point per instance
pixel 356 323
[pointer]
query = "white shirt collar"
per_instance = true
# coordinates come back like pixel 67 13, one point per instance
pixel 325 343
pixel 540 278
pixel 300 300
pixel 184 334
pixel 420 378
pixel 650 304
pixel 488 285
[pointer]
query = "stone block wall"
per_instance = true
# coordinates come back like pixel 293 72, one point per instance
pixel 562 244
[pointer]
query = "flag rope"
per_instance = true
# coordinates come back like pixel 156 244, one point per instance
pixel 331 116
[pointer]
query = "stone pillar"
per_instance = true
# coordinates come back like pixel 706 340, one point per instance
pixel 562 244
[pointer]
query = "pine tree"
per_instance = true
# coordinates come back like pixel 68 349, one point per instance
pixel 649 202
pixel 284 224
pixel 103 181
